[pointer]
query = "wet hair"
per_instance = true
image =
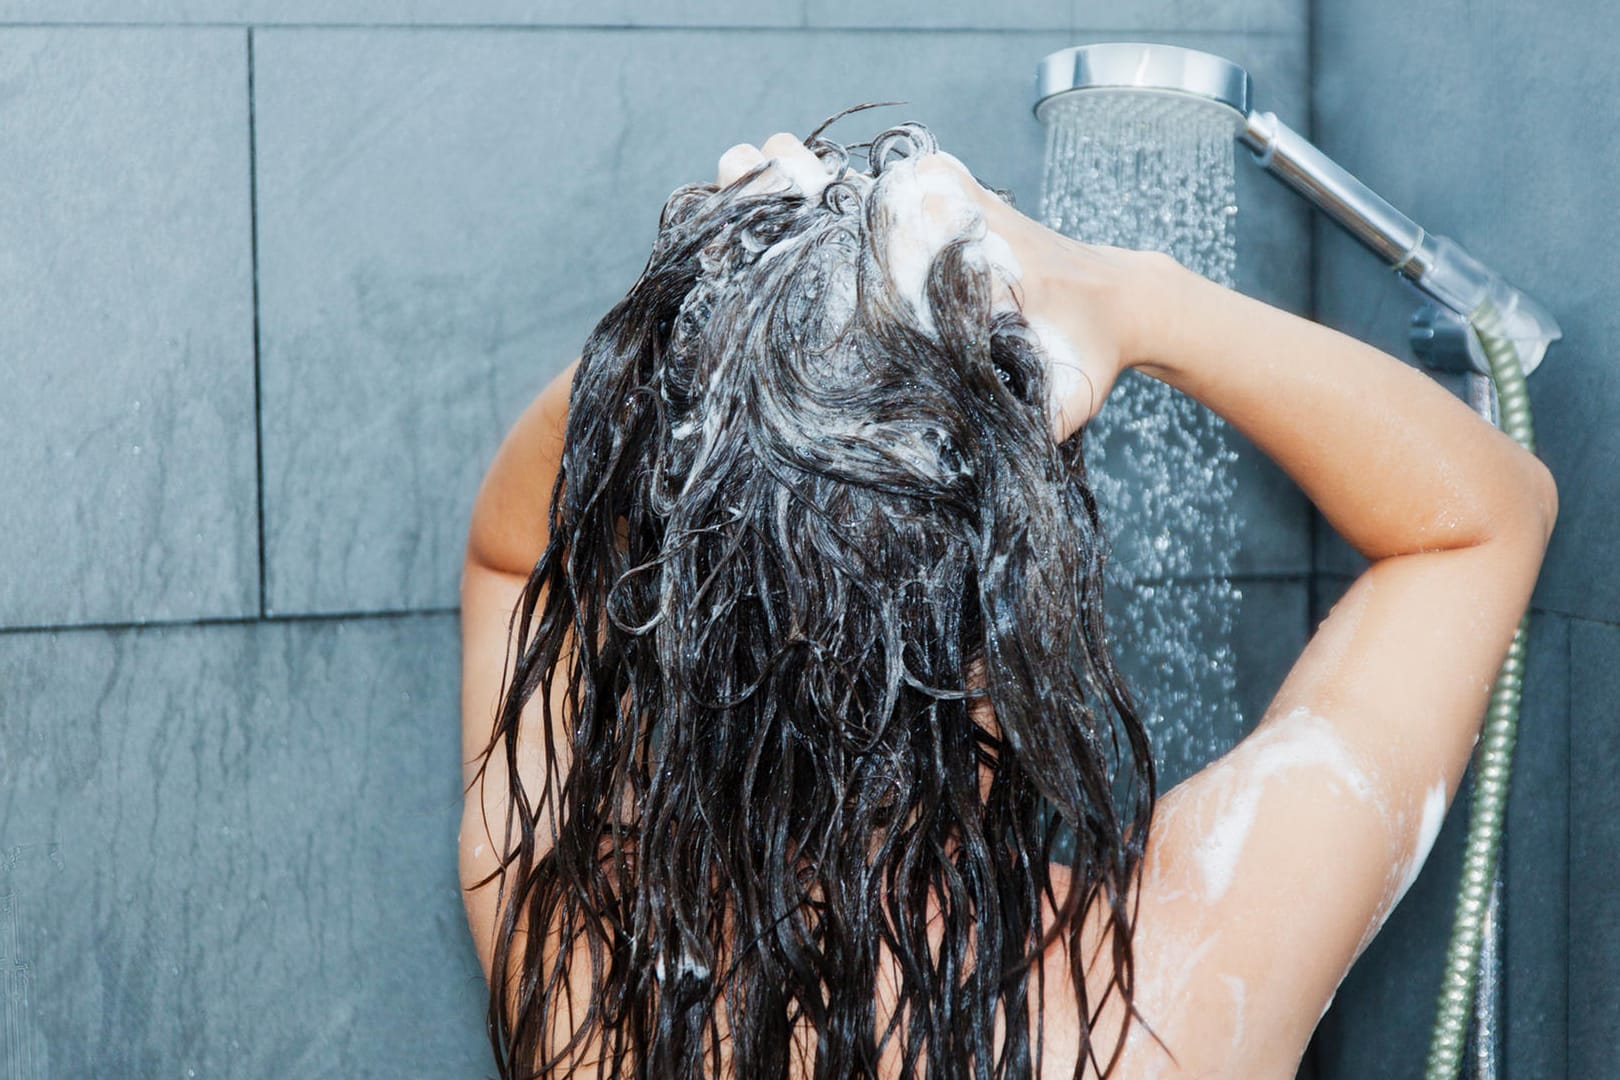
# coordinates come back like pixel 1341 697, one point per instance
pixel 828 601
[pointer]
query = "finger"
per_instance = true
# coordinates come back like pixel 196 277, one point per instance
pixel 736 161
pixel 797 162
pixel 783 142
pixel 743 159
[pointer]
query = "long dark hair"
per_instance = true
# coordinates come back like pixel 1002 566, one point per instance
pixel 828 601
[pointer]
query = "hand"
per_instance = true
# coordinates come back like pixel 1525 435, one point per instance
pixel 1084 301
pixel 1079 299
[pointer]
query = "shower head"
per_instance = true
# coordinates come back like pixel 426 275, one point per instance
pixel 1435 265
pixel 1142 66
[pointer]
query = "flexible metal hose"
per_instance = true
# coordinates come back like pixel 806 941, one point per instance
pixel 1493 762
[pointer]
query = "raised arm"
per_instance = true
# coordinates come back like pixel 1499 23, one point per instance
pixel 1395 462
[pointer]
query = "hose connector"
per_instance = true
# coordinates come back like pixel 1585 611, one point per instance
pixel 1481 303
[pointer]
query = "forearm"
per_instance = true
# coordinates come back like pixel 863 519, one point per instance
pixel 509 518
pixel 1392 459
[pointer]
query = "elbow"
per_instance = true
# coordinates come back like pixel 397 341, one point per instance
pixel 1545 489
pixel 1526 508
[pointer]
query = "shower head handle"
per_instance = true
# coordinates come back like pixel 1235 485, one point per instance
pixel 1296 161
pixel 1437 266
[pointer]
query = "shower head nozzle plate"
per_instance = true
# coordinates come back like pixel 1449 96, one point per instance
pixel 1137 65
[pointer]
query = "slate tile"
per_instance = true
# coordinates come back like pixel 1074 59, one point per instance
pixel 230 850
pixel 921 14
pixel 126 324
pixel 409 13
pixel 1538 867
pixel 1273 628
pixel 1593 929
pixel 1251 16
pixel 699 13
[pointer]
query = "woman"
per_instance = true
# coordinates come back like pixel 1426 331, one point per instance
pixel 784 656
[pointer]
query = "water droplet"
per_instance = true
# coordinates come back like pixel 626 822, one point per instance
pixel 1156 172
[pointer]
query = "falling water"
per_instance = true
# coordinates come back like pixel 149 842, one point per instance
pixel 1150 170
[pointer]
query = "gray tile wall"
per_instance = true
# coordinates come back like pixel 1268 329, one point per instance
pixel 1490 122
pixel 277 278
pixel 229 852
pixel 126 327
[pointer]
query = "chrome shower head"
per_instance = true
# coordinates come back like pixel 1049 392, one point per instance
pixel 1438 267
pixel 1142 66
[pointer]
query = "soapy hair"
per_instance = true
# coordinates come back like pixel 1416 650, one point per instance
pixel 816 569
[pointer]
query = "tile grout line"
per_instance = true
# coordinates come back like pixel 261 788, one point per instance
pixel 1312 129
pixel 229 620
pixel 453 609
pixel 258 381
pixel 1230 31
pixel 1569 825
pixel 1314 1050
pixel 1312 301
pixel 1312 126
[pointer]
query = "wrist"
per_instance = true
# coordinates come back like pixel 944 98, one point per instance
pixel 1154 298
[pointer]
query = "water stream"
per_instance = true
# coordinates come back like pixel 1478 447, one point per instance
pixel 1150 170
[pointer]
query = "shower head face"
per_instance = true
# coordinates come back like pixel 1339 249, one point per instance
pixel 1142 67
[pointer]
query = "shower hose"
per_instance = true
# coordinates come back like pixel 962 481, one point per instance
pixel 1493 763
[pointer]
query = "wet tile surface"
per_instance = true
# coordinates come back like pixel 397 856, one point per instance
pixel 1251 16
pixel 126 328
pixel 1594 848
pixel 921 14
pixel 231 850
